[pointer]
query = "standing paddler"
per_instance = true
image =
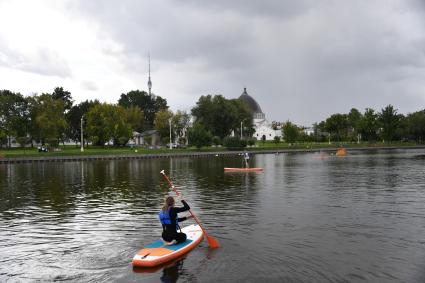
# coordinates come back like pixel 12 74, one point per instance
pixel 246 158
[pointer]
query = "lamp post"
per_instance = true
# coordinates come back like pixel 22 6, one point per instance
pixel 241 129
pixel 82 135
pixel 169 121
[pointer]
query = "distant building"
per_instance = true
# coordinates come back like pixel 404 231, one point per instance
pixel 309 131
pixel 263 128
pixel 147 138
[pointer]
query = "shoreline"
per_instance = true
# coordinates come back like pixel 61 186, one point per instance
pixel 70 158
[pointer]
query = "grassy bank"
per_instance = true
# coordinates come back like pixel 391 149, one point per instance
pixel 92 150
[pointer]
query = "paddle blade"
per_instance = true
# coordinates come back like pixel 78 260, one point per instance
pixel 213 243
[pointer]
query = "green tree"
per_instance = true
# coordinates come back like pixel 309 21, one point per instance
pixel 402 131
pixel 3 137
pixel 150 105
pixel 221 116
pixel 49 118
pixel 214 113
pixel 354 117
pixel 368 125
pixel 14 114
pixel 74 119
pixel 199 136
pixel 60 94
pixel 416 125
pixel 120 125
pixel 320 132
pixel 180 122
pixel 162 125
pixel 337 125
pixel 107 122
pixel 290 132
pixel 389 121
pixel 136 118
pixel 242 116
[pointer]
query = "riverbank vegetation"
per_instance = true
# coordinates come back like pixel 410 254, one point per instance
pixel 52 120
pixel 258 147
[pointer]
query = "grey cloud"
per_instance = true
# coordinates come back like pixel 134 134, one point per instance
pixel 174 33
pixel 302 60
pixel 41 61
pixel 271 8
pixel 89 85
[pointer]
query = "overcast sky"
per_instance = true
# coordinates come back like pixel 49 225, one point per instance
pixel 301 60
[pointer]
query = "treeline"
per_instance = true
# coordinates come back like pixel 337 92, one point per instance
pixel 386 125
pixel 53 118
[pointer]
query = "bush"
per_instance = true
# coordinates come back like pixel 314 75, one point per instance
pixel 122 140
pixel 52 142
pixel 182 140
pixel 251 141
pixel 3 138
pixel 23 141
pixel 234 142
pixel 94 139
pixel 216 140
pixel 199 136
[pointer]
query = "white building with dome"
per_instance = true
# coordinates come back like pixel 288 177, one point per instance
pixel 263 128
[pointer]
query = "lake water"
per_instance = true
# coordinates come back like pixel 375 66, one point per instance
pixel 306 218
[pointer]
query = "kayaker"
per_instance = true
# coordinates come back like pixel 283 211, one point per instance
pixel 170 221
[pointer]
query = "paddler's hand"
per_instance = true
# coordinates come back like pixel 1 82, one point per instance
pixel 179 197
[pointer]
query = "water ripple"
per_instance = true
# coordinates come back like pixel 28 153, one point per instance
pixel 304 219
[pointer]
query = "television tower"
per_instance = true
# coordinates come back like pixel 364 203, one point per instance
pixel 149 80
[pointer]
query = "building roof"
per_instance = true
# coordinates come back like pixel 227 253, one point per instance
pixel 252 104
pixel 149 133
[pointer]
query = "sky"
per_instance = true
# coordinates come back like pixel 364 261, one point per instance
pixel 300 60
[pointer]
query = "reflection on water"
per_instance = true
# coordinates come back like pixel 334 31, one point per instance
pixel 306 217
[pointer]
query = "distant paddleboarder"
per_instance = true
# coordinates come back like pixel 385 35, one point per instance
pixel 246 158
pixel 170 221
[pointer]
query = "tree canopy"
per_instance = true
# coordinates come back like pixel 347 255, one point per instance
pixel 150 105
pixel 14 115
pixel 222 116
pixel 290 132
pixel 49 118
pixel 106 122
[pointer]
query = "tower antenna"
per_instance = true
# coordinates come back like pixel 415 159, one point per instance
pixel 149 80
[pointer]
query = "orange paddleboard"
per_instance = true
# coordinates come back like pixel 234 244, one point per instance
pixel 157 253
pixel 254 169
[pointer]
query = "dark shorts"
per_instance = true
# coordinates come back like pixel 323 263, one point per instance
pixel 179 237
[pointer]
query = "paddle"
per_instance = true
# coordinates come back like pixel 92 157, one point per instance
pixel 213 243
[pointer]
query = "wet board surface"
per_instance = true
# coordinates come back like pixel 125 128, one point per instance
pixel 254 169
pixel 157 253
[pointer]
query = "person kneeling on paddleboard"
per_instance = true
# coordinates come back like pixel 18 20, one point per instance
pixel 170 221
